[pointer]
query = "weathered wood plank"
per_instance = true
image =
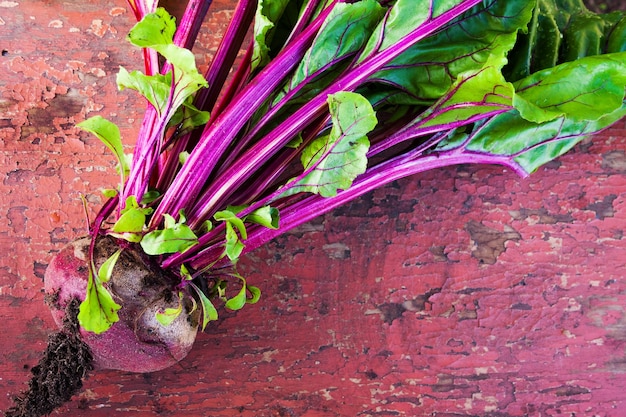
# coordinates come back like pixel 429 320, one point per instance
pixel 461 292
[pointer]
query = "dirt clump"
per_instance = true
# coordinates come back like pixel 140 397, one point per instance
pixel 60 372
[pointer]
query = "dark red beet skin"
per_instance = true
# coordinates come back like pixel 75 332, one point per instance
pixel 137 342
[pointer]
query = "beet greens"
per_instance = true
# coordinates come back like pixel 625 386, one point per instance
pixel 331 100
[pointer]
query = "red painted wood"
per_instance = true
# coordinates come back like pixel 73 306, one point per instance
pixel 461 292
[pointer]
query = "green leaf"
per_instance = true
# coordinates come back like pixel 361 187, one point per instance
pixel 209 313
pixel 150 197
pixel 98 311
pixel 255 293
pixel 156 28
pixel 528 144
pixel 155 88
pixel 233 246
pixel 424 73
pixel 132 221
pixel 106 269
pixel 586 89
pixel 562 31
pixel 168 315
pixel 344 33
pixel 238 301
pixel 268 12
pixel 188 117
pixel 156 31
pixel 473 95
pixel 230 217
pixel 109 134
pixel 265 216
pixel 109 192
pixel 174 238
pixel 335 160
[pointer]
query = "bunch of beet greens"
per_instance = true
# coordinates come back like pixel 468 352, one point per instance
pixel 331 100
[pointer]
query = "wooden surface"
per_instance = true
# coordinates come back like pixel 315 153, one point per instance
pixel 461 292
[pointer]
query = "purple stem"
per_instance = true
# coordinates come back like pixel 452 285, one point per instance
pixel 246 165
pixel 219 135
pixel 312 206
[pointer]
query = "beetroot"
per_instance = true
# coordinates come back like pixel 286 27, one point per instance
pixel 137 342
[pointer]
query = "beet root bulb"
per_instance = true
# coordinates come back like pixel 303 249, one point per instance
pixel 138 342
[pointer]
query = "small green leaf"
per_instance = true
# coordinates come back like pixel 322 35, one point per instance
pixel 209 313
pixel 150 197
pixel 233 246
pixel 167 316
pixel 265 216
pixel 155 88
pixel 255 293
pixel 109 134
pixel 106 269
pixel 155 28
pixel 109 192
pixel 230 216
pixel 176 239
pixel 182 157
pixel 188 117
pixel 238 301
pixel 133 218
pixel 184 272
pixel 98 311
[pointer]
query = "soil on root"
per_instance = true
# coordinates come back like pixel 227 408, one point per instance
pixel 59 373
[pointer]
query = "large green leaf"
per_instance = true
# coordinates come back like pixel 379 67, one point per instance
pixel 528 144
pixel 585 89
pixel 482 37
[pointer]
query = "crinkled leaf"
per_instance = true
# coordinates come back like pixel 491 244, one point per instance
pixel 98 311
pixel 109 134
pixel 561 31
pixel 586 89
pixel 481 37
pixel 335 160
